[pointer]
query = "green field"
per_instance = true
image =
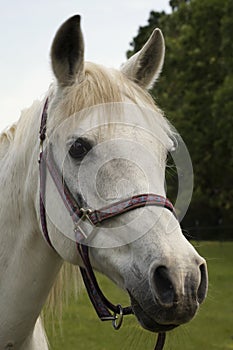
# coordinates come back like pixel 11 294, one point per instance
pixel 212 328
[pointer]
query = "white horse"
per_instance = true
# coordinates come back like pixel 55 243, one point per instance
pixel 165 277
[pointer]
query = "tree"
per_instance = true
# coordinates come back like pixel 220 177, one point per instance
pixel 175 4
pixel 195 91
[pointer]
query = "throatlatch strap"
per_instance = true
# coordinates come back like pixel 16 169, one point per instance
pixel 43 219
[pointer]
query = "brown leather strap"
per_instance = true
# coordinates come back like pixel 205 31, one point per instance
pixel 125 205
pixel 101 304
pixel 160 341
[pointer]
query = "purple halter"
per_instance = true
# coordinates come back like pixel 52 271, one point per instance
pixel 104 308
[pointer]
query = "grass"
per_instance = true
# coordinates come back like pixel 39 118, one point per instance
pixel 211 329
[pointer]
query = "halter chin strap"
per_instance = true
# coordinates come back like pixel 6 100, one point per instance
pixel 104 308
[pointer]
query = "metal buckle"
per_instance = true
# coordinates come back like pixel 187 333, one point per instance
pixel 40 151
pixel 85 214
pixel 118 318
pixel 77 228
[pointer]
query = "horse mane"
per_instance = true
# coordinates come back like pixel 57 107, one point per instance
pixel 101 85
pixel 67 284
pixel 6 138
pixel 106 86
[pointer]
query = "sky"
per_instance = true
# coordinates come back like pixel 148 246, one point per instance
pixel 27 29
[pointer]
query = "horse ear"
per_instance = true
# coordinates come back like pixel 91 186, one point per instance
pixel 67 52
pixel 145 66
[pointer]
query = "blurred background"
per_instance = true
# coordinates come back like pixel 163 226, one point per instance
pixel 196 93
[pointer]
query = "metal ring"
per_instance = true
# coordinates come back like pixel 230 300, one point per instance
pixel 118 318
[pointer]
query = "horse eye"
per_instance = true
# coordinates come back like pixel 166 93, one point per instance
pixel 79 149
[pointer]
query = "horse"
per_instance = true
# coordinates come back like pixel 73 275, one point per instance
pixel 92 125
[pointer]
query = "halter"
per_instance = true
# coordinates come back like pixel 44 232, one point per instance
pixel 104 308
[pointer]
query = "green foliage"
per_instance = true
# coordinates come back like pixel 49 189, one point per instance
pixel 196 93
pixel 211 328
pixel 175 4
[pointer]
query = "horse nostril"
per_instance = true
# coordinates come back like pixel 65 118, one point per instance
pixel 202 289
pixel 164 289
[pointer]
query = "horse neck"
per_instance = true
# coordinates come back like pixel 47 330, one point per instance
pixel 24 255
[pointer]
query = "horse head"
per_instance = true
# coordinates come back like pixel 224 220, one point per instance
pixel 110 142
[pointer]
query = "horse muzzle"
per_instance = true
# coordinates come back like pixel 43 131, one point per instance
pixel 171 297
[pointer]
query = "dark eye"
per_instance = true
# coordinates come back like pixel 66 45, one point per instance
pixel 79 149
